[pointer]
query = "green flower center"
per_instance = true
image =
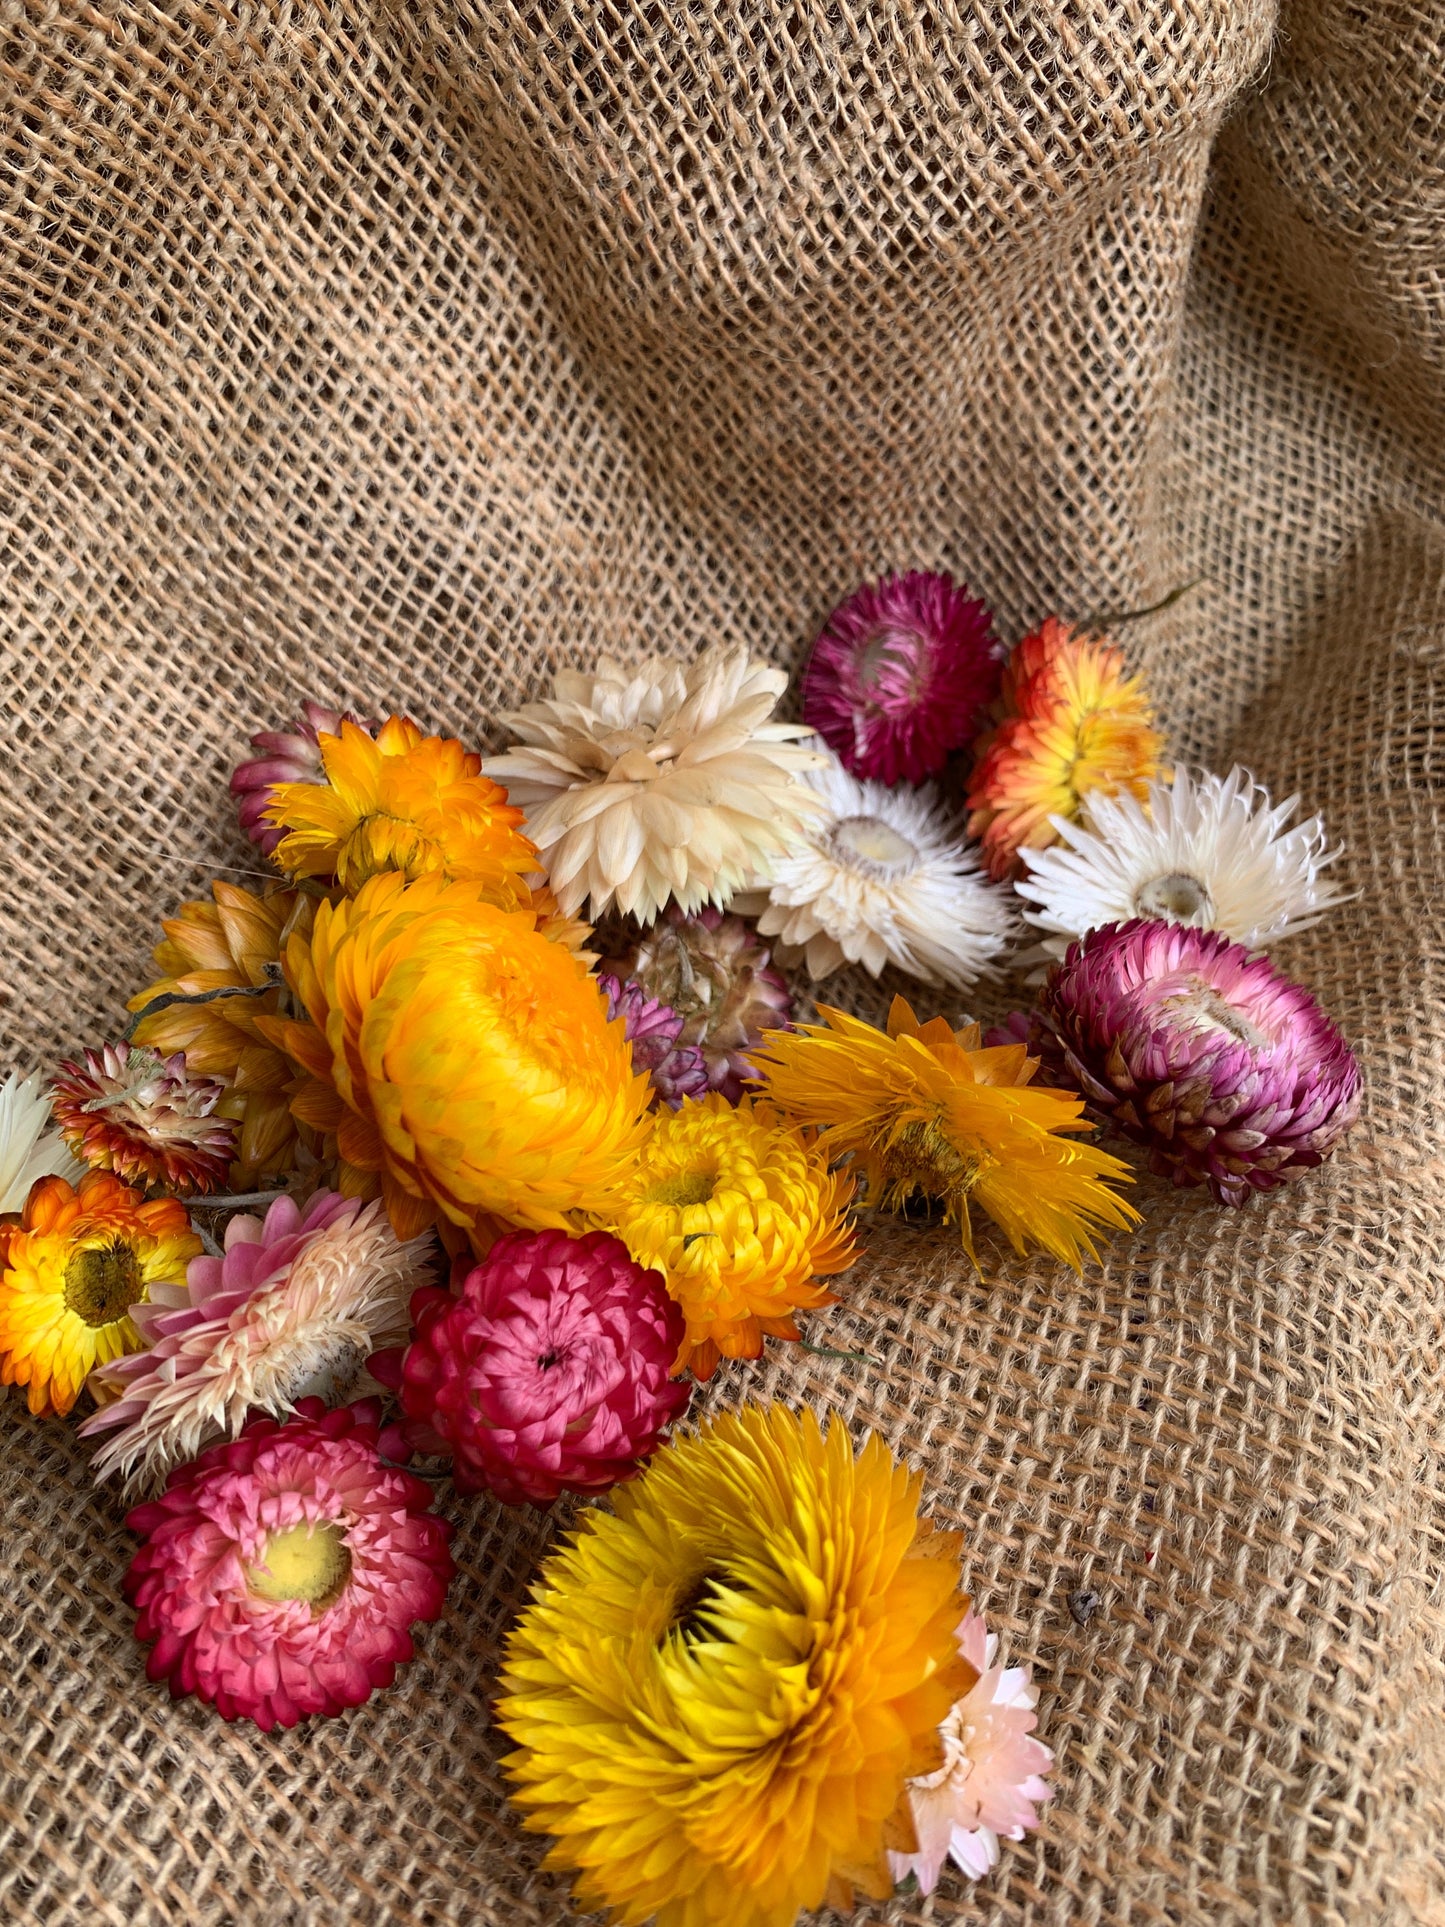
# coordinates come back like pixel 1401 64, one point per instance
pixel 1175 898
pixel 306 1561
pixel 684 1188
pixel 102 1282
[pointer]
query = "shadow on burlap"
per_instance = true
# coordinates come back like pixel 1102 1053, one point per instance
pixel 398 354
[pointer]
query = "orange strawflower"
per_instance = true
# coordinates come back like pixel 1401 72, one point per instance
pixel 1072 722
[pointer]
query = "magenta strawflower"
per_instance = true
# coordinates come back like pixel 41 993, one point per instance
pixel 282 1572
pixel 550 1373
pixel 285 756
pixel 677 1070
pixel 902 675
pixel 1230 1074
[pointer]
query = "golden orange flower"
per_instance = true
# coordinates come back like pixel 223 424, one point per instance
pixel 403 802
pixel 1073 722
pixel 466 1065
pixel 231 945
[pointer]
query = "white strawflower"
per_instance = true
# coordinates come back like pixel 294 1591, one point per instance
pixel 883 877
pixel 663 781
pixel 1208 851
pixel 29 1148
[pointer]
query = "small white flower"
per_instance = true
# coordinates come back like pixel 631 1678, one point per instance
pixel 29 1149
pixel 1207 851
pixel 882 877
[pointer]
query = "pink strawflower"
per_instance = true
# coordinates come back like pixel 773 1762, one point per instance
pixel 653 1029
pixel 281 1573
pixel 292 1309
pixel 285 756
pixel 1199 1049
pixel 991 1779
pixel 550 1373
pixel 902 675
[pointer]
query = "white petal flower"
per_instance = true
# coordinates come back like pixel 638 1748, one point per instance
pixel 1208 851
pixel 29 1148
pixel 883 877
pixel 664 781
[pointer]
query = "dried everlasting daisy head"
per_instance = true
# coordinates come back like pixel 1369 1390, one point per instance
pixel 654 1030
pixel 291 1310
pixel 151 1120
pixel 29 1148
pixel 739 1212
pixel 1073 723
pixel 721 1687
pixel 667 782
pixel 926 1113
pixel 884 878
pixel 285 756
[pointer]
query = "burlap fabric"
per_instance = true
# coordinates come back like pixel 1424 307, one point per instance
pixel 397 354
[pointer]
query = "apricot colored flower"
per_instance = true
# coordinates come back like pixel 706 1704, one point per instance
pixel 1073 723
pixel 402 802
pixel 721 1687
pixel 81 1257
pixel 741 1215
pixel 147 1118
pixel 926 1113
pixel 220 974
pixel 466 1066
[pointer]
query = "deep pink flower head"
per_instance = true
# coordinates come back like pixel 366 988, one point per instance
pixel 285 756
pixel 902 675
pixel 282 1572
pixel 677 1070
pixel 550 1373
pixel 1199 1049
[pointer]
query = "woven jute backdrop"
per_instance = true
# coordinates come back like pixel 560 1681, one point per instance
pixel 397 353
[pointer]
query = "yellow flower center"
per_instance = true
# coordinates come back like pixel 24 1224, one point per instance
pixel 684 1188
pixel 869 845
pixel 306 1561
pixel 685 1622
pixel 922 1157
pixel 102 1282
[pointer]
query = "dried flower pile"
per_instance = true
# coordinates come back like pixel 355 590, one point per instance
pixel 402 1127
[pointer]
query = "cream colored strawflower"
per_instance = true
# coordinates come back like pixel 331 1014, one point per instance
pixel 663 782
pixel 29 1146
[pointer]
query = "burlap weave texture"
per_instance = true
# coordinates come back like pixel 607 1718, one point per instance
pixel 396 354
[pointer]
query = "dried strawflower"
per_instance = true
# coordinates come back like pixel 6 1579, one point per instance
pixel 150 1119
pixel 992 1778
pixel 660 783
pixel 465 1065
pixel 884 878
pixel 712 970
pixel 1208 851
pixel 1185 1042
pixel 902 675
pixel 928 1114
pixel 720 1688
pixel 282 1572
pixel 677 1070
pixel 549 1373
pixel 1073 724
pixel 741 1215
pixel 76 1266
pixel 291 1310
pixel 29 1148
pixel 285 756
pixel 403 802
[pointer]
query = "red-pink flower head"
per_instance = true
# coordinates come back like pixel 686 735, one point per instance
pixel 550 1373
pixel 285 756
pixel 1197 1048
pixel 902 675
pixel 282 1572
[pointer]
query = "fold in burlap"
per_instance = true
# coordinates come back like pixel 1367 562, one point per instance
pixel 396 355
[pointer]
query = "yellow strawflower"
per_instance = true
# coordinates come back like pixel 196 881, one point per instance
pixel 741 1215
pixel 721 1687
pixel 924 1112
pixel 465 1065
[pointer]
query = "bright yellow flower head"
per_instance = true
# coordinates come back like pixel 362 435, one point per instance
pixel 926 1113
pixel 740 1214
pixel 232 944
pixel 1073 722
pixel 466 1065
pixel 77 1262
pixel 403 802
pixel 720 1688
